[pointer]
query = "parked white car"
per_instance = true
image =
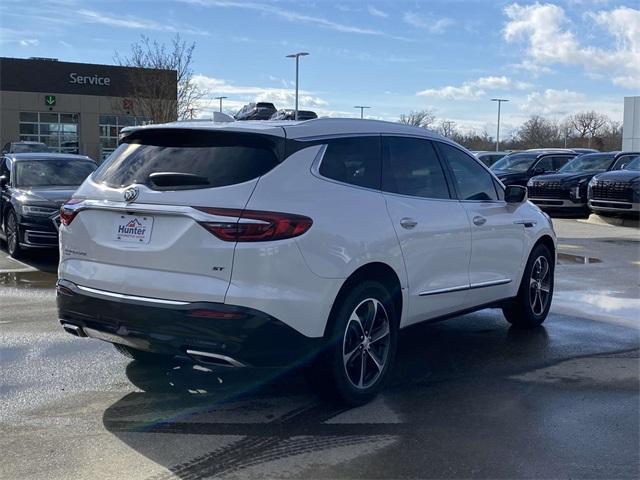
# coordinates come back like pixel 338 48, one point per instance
pixel 280 243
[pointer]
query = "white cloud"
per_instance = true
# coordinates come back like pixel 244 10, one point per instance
pixel 92 16
pixel 293 16
pixel 29 42
pixel 432 25
pixel 551 102
pixel 464 92
pixel 281 97
pixel 560 103
pixel 545 30
pixel 476 89
pixel 373 11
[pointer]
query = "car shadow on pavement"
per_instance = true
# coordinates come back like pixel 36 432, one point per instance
pixel 256 416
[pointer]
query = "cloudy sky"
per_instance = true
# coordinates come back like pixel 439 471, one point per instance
pixel 447 55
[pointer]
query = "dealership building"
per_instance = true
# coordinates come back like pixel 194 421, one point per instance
pixel 631 125
pixel 73 107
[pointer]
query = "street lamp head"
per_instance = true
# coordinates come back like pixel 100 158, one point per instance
pixel 299 54
pixel 499 100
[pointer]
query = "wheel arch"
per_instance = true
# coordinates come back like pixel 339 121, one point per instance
pixel 548 242
pixel 376 271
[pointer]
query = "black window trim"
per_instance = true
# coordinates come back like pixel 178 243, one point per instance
pixel 445 170
pixel 496 182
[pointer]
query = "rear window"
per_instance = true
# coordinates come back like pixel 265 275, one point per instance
pixel 211 159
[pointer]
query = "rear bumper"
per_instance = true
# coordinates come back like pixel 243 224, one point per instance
pixel 206 332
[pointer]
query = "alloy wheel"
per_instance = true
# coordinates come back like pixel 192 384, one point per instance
pixel 540 285
pixel 12 234
pixel 366 343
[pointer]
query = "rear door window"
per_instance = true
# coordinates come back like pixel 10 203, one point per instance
pixel 354 160
pixel 189 159
pixel 411 167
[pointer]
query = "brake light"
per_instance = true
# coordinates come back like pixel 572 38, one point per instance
pixel 255 225
pixel 67 212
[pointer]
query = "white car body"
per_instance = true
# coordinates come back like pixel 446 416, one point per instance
pixel 448 255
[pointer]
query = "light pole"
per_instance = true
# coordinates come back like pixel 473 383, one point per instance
pixel 297 57
pixel 361 107
pixel 499 100
pixel 220 98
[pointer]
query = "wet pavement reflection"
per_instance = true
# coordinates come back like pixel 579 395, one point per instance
pixel 457 384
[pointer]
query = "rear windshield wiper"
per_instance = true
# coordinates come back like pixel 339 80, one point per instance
pixel 177 180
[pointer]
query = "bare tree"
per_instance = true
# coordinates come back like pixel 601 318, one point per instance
pixel 420 118
pixel 447 128
pixel 173 93
pixel 588 124
pixel 538 132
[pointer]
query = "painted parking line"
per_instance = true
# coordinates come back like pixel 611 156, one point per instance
pixel 9 264
pixel 18 270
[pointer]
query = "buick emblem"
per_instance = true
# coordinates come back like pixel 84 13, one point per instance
pixel 130 194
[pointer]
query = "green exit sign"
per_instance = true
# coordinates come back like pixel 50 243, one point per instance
pixel 50 100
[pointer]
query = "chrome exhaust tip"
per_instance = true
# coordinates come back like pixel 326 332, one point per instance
pixel 216 359
pixel 73 329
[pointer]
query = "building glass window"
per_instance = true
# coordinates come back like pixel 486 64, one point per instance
pixel 59 131
pixel 110 126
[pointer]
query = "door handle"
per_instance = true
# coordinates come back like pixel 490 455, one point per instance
pixel 408 223
pixel 478 220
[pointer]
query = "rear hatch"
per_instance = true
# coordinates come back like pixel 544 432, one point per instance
pixel 141 224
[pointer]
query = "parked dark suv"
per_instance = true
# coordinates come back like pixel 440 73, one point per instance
pixel 290 114
pixel 617 191
pixel 24 147
pixel 518 168
pixel 567 189
pixel 256 111
pixel 33 187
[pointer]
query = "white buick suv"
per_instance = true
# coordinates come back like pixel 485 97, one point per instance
pixel 295 243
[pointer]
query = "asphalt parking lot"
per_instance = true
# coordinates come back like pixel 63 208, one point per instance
pixel 468 397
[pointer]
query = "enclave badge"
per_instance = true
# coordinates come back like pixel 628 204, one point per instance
pixel 130 194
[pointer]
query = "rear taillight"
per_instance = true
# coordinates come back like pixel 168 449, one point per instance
pixel 255 225
pixel 68 212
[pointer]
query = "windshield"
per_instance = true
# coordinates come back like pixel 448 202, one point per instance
pixel 515 163
pixel 29 147
pixel 588 163
pixel 634 164
pixel 52 173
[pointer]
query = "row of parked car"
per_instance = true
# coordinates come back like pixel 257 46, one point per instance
pixel 575 180
pixel 34 184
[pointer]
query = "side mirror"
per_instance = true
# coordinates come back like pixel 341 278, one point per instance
pixel 3 182
pixel 538 170
pixel 515 194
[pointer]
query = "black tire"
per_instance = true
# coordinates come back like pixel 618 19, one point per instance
pixel 148 358
pixel 531 306
pixel 12 233
pixel 359 381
